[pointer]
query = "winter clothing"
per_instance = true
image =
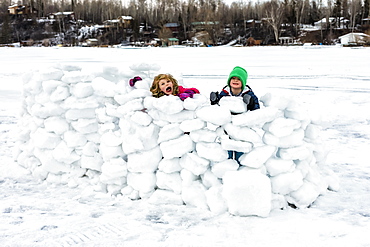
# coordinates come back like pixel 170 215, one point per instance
pixel 248 97
pixel 134 80
pixel 241 74
pixel 185 93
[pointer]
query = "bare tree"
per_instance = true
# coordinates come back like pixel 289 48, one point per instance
pixel 274 16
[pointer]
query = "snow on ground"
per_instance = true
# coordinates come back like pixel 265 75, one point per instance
pixel 331 81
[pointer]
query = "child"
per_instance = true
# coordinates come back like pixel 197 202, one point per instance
pixel 166 84
pixel 237 86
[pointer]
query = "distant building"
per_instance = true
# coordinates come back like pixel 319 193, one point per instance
pixel 354 39
pixel 173 41
pixel 68 15
pixel 340 22
pixel 174 27
pixel 18 10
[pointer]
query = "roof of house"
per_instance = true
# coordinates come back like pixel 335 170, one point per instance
pixel 354 34
pixel 172 24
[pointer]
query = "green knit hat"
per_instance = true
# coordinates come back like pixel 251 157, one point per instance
pixel 241 74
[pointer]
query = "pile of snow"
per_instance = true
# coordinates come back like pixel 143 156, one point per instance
pixel 81 128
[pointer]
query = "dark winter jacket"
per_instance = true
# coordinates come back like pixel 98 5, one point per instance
pixel 253 103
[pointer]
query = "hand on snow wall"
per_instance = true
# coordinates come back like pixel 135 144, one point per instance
pixel 94 128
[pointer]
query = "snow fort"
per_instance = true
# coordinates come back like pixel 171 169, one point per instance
pixel 93 129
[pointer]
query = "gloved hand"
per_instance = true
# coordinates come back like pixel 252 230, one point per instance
pixel 190 92
pixel 134 80
pixel 246 98
pixel 214 98
pixel 184 96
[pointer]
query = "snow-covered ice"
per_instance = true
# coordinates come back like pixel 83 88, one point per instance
pixel 194 165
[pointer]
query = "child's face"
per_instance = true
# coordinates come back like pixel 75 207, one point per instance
pixel 166 86
pixel 235 83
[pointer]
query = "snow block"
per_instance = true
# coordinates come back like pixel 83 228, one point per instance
pixel 247 193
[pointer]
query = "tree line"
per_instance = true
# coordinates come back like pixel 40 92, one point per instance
pixel 156 13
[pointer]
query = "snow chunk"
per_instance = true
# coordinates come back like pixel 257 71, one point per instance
pixel 215 201
pixel 110 139
pixel 170 165
pixel 242 133
pixel 44 139
pixel 220 169
pixel 143 182
pixel 276 166
pixel 192 124
pixel 234 104
pixel 293 140
pixel 114 171
pixel 240 146
pixel 82 90
pixel 72 77
pixel 194 163
pixel 256 118
pixel 146 161
pixel 59 94
pixel 258 156
pixel 169 132
pixel 74 139
pixel 247 193
pixel 294 153
pixel 211 151
pixel 141 118
pixel 287 182
pixel 168 104
pixel 194 195
pixel 75 114
pixel 103 87
pixel 92 162
pixel 275 101
pixel 134 94
pixel 57 125
pixel 177 147
pixel 193 103
pixel 282 126
pixel 214 114
pixel 203 135
pixel 169 181
pixel 51 74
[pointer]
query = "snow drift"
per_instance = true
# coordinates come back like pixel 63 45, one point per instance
pixel 81 128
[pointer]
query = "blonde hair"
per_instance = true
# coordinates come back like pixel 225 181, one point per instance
pixel 157 92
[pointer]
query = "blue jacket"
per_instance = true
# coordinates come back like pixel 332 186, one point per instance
pixel 253 103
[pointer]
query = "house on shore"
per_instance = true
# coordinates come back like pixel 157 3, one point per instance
pixel 354 39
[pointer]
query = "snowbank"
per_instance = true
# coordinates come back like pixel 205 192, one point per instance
pixel 81 128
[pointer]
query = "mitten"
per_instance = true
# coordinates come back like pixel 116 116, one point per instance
pixel 183 96
pixel 246 98
pixel 190 92
pixel 214 98
pixel 134 80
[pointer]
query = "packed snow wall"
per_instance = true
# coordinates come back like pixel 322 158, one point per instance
pixel 92 129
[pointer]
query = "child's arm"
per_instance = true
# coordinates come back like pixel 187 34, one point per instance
pixel 251 100
pixel 187 92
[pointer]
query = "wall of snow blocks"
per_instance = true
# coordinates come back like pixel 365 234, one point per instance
pixel 92 129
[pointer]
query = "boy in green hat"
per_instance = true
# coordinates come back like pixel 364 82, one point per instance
pixel 237 86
